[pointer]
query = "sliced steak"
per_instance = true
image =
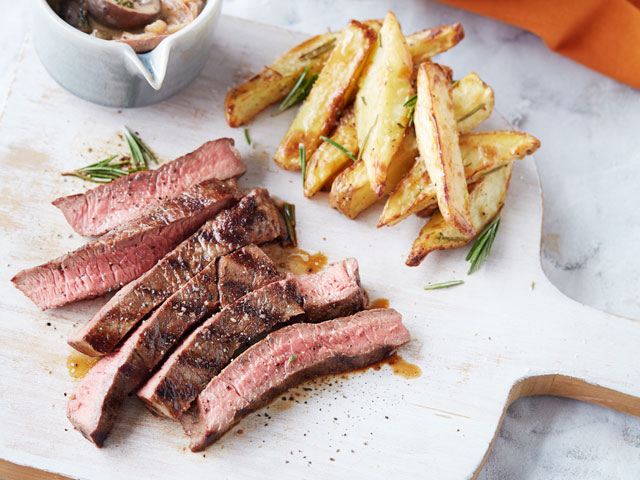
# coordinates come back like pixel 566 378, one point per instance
pixel 255 219
pixel 243 271
pixel 284 359
pixel 99 210
pixel 334 292
pixel 211 346
pixel 98 398
pixel 126 252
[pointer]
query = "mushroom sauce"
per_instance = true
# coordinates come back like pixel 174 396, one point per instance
pixel 140 23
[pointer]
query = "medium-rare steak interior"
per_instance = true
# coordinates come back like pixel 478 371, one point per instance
pixel 255 219
pixel 284 359
pixel 126 252
pixel 107 206
pixel 212 345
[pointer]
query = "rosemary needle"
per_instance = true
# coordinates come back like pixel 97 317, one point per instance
pixel 472 112
pixel 339 147
pixel 482 246
pixel 303 161
pixel 436 286
pixel 246 136
pixel 411 105
pixel 299 92
pixel 289 213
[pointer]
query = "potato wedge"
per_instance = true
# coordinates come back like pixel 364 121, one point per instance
pixel 486 198
pixel 330 94
pixel 351 192
pixel 381 117
pixel 327 161
pixel 437 134
pixel 482 152
pixel 274 82
pixel 472 102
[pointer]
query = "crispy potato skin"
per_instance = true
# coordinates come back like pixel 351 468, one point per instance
pixel 330 94
pixel 272 84
pixel 486 199
pixel 482 152
pixel 381 117
pixel 437 134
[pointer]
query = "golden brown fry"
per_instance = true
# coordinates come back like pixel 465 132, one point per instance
pixel 472 102
pixel 381 117
pixel 351 192
pixel 329 95
pixel 327 161
pixel 272 84
pixel 482 152
pixel 437 134
pixel 486 198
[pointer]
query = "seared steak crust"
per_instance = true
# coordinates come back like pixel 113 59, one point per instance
pixel 101 209
pixel 126 252
pixel 243 271
pixel 255 219
pixel 212 345
pixel 98 398
pixel 284 359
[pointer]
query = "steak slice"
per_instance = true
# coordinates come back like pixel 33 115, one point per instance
pixel 126 252
pixel 243 271
pixel 99 396
pixel 334 292
pixel 211 346
pixel 255 219
pixel 99 210
pixel 284 359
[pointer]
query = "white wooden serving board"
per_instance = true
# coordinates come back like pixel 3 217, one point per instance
pixel 480 345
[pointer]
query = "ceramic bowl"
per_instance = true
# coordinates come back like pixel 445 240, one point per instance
pixel 111 73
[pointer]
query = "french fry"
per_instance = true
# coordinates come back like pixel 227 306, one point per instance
pixel 486 198
pixel 482 152
pixel 330 94
pixel 328 160
pixel 381 117
pixel 437 134
pixel 274 82
pixel 351 192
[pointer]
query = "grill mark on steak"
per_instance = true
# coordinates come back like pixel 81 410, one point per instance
pixel 124 253
pixel 284 359
pixel 334 292
pixel 99 396
pixel 211 346
pixel 243 271
pixel 120 314
pixel 102 208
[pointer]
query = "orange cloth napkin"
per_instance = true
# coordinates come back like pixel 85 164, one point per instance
pixel 602 34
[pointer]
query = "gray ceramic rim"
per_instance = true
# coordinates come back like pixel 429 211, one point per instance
pixel 209 5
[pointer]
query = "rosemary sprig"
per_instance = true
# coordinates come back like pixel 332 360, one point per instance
pixel 299 92
pixel 436 286
pixel 411 105
pixel 247 137
pixel 303 161
pixel 140 153
pixel 475 110
pixel 340 147
pixel 482 246
pixel 289 213
pixel 106 170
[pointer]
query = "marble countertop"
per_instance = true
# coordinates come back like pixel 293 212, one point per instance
pixel 589 166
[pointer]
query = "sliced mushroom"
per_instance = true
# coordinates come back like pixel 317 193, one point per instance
pixel 124 14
